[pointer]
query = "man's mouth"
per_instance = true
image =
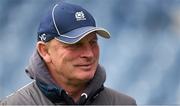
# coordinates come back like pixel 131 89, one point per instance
pixel 85 66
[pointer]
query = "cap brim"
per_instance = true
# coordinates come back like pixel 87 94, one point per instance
pixel 76 35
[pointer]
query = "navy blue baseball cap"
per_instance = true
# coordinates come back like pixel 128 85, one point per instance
pixel 68 23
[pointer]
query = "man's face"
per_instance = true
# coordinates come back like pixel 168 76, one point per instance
pixel 75 62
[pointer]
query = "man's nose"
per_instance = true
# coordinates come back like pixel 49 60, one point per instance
pixel 87 51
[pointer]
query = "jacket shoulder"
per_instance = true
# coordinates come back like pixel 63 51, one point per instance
pixel 27 95
pixel 111 97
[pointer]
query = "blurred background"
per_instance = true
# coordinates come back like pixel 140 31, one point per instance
pixel 141 59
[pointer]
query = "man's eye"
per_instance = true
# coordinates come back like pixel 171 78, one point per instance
pixel 93 41
pixel 73 46
pixel 77 45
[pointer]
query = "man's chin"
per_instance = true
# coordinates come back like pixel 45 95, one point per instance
pixel 87 75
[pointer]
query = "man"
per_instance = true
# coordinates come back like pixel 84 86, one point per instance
pixel 65 66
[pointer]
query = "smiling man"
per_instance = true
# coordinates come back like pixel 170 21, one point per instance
pixel 65 65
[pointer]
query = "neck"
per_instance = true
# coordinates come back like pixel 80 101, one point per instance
pixel 73 91
pixel 73 88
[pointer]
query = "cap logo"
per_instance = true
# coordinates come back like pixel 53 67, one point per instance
pixel 80 16
pixel 42 37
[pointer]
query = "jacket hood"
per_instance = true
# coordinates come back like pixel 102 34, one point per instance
pixel 38 71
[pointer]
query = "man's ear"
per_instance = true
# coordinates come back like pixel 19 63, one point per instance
pixel 43 51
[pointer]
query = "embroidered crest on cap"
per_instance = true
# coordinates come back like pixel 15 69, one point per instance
pixel 80 16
